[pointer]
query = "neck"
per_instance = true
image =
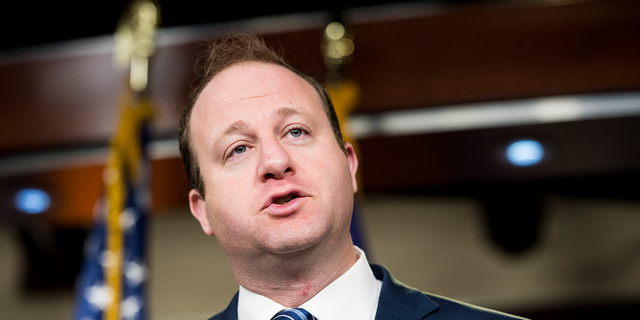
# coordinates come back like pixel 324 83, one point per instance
pixel 293 279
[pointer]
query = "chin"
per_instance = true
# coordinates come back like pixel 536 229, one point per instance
pixel 293 246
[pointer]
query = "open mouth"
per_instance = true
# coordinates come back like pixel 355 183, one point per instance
pixel 284 200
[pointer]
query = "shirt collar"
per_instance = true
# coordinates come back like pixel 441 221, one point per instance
pixel 354 295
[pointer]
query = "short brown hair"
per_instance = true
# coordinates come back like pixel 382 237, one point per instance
pixel 236 48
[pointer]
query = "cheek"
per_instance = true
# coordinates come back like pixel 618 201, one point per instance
pixel 226 192
pixel 336 173
pixel 225 223
pixel 229 209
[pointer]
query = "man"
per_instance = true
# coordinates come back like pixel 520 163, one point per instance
pixel 274 182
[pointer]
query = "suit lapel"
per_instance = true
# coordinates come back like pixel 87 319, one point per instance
pixel 397 301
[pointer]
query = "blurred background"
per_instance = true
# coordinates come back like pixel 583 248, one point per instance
pixel 498 141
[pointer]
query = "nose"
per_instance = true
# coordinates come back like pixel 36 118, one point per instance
pixel 275 161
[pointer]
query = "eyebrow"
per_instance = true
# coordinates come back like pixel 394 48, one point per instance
pixel 285 112
pixel 237 126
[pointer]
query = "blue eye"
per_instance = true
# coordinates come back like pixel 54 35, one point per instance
pixel 296 132
pixel 240 149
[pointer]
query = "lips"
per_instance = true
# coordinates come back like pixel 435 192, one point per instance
pixel 285 202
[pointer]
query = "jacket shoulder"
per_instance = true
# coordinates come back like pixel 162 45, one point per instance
pixel 399 301
pixel 453 310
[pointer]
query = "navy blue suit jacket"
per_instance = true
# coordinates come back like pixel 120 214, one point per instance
pixel 400 302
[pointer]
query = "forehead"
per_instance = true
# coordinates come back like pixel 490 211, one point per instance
pixel 248 82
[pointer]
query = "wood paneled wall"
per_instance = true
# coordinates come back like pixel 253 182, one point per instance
pixel 462 54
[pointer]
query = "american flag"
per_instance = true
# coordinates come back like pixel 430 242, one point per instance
pixel 111 285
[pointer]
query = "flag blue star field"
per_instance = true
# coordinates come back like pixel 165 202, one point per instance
pixel 111 283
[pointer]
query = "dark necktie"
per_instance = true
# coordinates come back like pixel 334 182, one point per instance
pixel 293 314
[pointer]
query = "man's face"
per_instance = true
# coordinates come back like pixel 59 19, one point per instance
pixel 276 179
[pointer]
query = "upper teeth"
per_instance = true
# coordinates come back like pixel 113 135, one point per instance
pixel 284 200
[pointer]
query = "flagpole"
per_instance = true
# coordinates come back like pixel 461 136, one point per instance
pixel 112 283
pixel 134 39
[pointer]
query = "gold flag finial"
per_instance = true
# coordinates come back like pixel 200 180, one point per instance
pixel 338 47
pixel 135 41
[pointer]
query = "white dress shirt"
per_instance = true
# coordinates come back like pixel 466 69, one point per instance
pixel 354 296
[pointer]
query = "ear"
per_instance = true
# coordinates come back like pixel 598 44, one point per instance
pixel 199 211
pixel 352 159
